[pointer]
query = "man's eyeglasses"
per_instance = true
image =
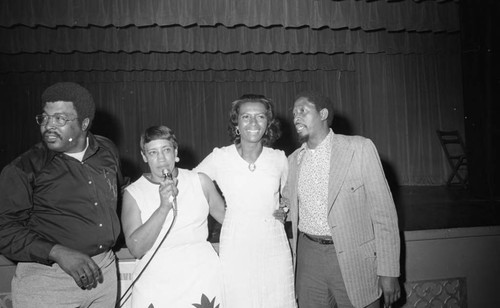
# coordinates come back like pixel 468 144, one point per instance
pixel 58 119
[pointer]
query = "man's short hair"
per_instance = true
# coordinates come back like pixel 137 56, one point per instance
pixel 319 100
pixel 71 92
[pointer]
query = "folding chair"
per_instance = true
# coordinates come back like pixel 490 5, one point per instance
pixel 454 149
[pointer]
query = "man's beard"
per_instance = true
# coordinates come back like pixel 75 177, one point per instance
pixel 303 138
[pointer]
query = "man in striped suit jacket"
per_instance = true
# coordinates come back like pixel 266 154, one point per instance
pixel 344 220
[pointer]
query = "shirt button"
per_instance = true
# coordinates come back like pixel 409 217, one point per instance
pixel 95 204
pixel 100 246
pixel 100 225
pixel 90 182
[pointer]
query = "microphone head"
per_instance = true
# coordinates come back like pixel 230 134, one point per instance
pixel 167 174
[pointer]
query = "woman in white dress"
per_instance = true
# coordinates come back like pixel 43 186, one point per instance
pixel 254 250
pixel 171 204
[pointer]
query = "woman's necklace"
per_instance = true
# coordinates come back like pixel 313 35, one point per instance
pixel 252 167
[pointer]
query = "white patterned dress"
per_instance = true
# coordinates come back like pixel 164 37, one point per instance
pixel 186 266
pixel 254 250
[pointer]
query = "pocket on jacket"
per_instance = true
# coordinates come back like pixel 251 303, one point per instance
pixel 369 262
pixel 368 249
pixel 352 185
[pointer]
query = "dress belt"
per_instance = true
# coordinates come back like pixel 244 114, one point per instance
pixel 323 240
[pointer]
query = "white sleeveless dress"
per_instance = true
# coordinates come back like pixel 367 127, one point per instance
pixel 254 250
pixel 186 266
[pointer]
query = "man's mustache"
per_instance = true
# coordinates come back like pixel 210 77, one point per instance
pixel 45 134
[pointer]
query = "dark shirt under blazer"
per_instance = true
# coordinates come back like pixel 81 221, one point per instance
pixel 49 198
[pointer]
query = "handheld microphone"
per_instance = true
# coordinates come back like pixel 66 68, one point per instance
pixel 168 175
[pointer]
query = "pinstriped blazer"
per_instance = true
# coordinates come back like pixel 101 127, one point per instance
pixel 361 215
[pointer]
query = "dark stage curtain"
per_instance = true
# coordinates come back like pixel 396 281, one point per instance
pixel 414 15
pixel 392 69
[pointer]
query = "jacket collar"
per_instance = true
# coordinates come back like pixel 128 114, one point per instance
pixel 340 161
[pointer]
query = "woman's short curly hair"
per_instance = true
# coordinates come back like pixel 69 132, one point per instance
pixel 82 100
pixel 273 131
pixel 155 133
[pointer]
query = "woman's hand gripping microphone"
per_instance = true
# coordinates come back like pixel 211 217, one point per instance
pixel 168 188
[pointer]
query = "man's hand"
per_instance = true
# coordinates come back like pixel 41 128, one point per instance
pixel 390 288
pixel 282 212
pixel 81 267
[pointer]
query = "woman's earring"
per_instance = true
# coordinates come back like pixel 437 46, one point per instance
pixel 177 159
pixel 237 131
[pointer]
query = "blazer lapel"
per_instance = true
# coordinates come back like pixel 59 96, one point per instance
pixel 340 160
pixel 292 188
pixel 293 176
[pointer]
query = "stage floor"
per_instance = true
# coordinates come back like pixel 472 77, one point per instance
pixel 442 207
